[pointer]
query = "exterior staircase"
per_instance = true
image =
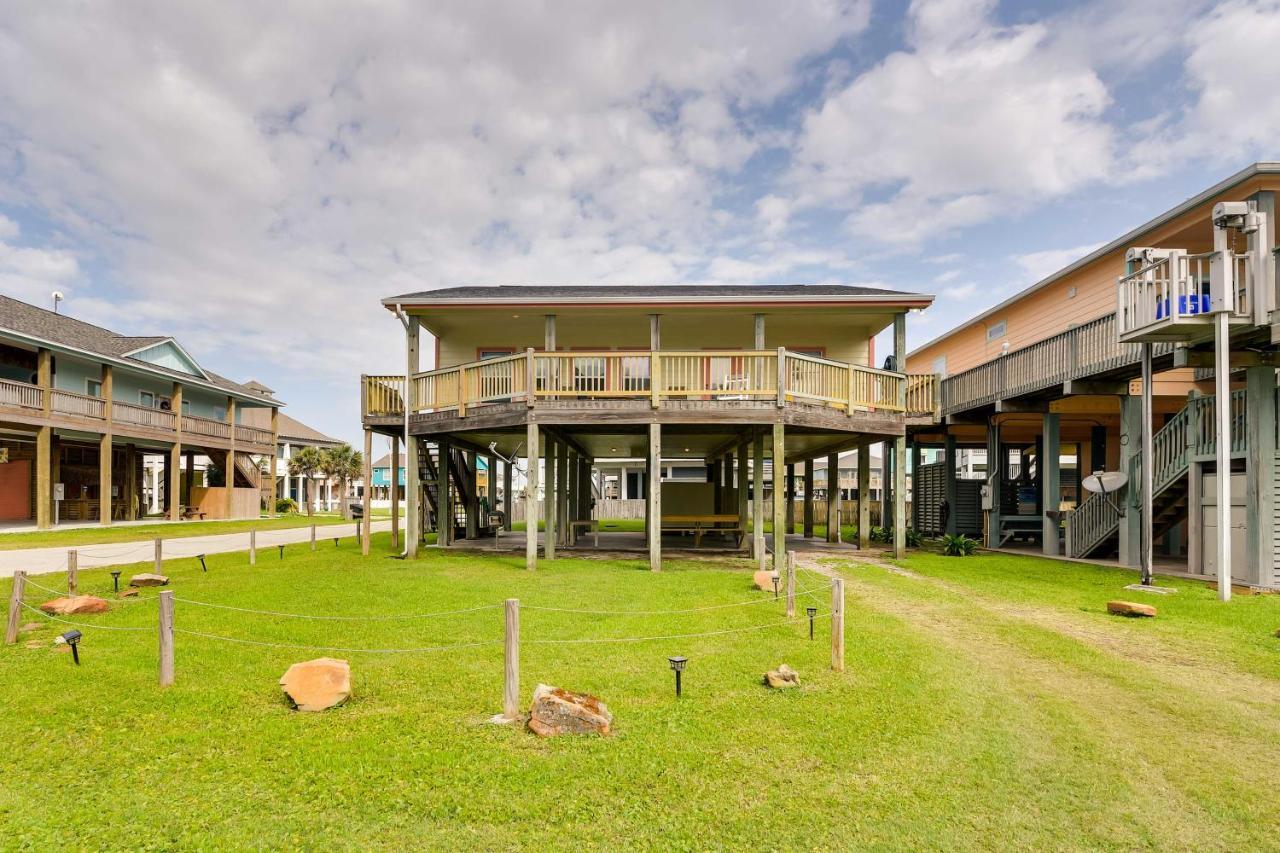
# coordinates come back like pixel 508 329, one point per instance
pixel 459 482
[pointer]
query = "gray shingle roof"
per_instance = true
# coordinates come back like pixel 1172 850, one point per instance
pixel 654 292
pixel 27 319
pixel 291 429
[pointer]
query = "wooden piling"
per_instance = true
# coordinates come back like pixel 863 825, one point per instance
pixel 73 572
pixel 837 624
pixel 159 561
pixel 166 637
pixel 15 607
pixel 253 547
pixel 313 537
pixel 511 661
pixel 791 584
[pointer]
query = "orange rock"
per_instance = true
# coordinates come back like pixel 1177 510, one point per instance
pixel 317 685
pixel 1130 608
pixel 764 580
pixel 562 712
pixel 129 593
pixel 75 604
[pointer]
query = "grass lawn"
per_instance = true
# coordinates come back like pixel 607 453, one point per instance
pixel 72 536
pixel 988 702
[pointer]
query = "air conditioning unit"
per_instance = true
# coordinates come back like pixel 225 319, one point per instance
pixel 165 405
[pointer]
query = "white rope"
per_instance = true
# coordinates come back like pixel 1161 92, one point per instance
pixel 83 624
pixel 326 618
pixel 334 648
pixel 137 549
pixel 748 603
pixel 131 600
pixel 602 640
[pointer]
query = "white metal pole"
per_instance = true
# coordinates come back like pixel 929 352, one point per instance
pixel 1222 410
pixel 1148 467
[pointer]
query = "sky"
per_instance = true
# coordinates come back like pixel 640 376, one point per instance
pixel 253 178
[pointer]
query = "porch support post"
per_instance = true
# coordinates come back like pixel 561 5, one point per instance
pixel 368 491
pixel 508 498
pixel 655 497
pixel 833 497
pixel 1222 415
pixel 886 484
pixel 532 461
pixel 412 473
pixel 174 467
pixel 393 472
pixel 549 333
pixel 1130 449
pixel 655 332
pixel 951 488
pixel 791 498
pixel 757 500
pixel 44 443
pixel 741 484
pixel 758 340
pixel 444 496
pixel 1050 449
pixel 807 514
pixel 913 450
pixel 900 443
pixel 780 501
pixel 551 500
pixel 271 467
pixel 104 449
pixel 995 473
pixel 864 497
pixel 563 486
pixel 1260 426
pixel 1195 518
pixel 1148 465
pixel 231 463
pixel 473 499
pixel 131 481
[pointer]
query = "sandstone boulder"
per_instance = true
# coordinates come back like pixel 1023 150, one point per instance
pixel 317 685
pixel 72 605
pixel 131 592
pixel 782 677
pixel 148 579
pixel 764 580
pixel 1130 608
pixel 562 712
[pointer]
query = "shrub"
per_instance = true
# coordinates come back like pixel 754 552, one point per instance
pixel 958 546
pixel 914 539
pixel 881 534
pixel 286 505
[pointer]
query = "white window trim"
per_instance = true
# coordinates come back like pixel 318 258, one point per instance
pixel 88 387
pixel 997 330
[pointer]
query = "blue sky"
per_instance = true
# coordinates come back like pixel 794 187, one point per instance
pixel 254 179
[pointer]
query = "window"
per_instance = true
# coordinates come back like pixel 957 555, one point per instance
pixel 146 399
pixel 93 387
pixel 186 407
pixel 940 366
pixel 996 331
pixel 484 353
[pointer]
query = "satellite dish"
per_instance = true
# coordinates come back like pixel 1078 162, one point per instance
pixel 1105 481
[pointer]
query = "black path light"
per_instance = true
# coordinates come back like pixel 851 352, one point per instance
pixel 72 639
pixel 281 547
pixel 677 666
pixel 776 581
pixel 115 581
pixel 812 611
pixel 203 567
pixel 335 541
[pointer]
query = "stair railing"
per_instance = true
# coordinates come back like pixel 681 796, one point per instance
pixel 1096 518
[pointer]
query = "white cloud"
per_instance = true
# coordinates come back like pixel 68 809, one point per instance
pixel 1040 265
pixel 32 274
pixel 960 291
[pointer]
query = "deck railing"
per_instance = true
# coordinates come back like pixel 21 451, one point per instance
pixel 253 435
pixel 193 425
pixel 144 416
pixel 1176 289
pixel 21 394
pixel 1087 350
pixel 730 375
pixel 70 403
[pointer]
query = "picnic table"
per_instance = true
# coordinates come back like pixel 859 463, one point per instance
pixel 702 523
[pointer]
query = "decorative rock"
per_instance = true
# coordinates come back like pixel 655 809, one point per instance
pixel 1130 608
pixel 75 604
pixel 129 593
pixel 560 712
pixel 782 677
pixel 148 579
pixel 317 685
pixel 764 580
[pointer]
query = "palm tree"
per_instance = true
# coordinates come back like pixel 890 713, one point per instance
pixel 306 462
pixel 344 464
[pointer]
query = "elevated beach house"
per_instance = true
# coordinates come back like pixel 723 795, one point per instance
pixel 81 406
pixel 1153 357
pixel 560 380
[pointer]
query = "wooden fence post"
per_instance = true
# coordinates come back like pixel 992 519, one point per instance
pixel 253 547
pixel 791 584
pixel 313 537
pixel 15 607
pixel 159 557
pixel 837 624
pixel 166 637
pixel 73 572
pixel 511 661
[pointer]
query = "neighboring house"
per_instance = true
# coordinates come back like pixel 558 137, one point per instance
pixel 82 408
pixel 1060 364
pixel 571 379
pixel 323 492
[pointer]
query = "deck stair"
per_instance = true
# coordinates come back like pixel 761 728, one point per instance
pixel 428 466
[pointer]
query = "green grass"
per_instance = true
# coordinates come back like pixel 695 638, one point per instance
pixel 141 532
pixel 987 703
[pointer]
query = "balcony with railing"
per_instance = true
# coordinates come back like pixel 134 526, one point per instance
pixel 1174 296
pixel 727 377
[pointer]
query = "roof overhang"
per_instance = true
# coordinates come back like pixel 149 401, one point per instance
pixel 904 301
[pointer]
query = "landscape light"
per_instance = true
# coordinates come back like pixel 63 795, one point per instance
pixel 335 541
pixel 812 611
pixel 677 666
pixel 776 581
pixel 115 581
pixel 72 639
pixel 203 567
pixel 281 547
